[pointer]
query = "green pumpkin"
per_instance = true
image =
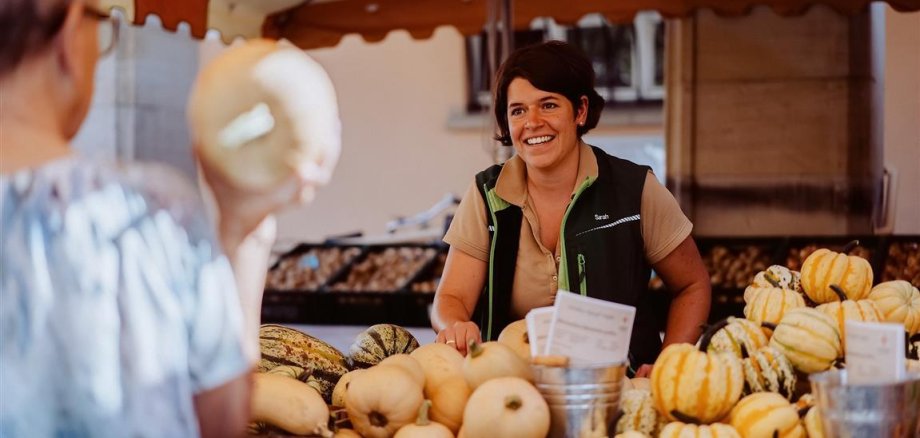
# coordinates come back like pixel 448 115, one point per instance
pixel 768 370
pixel 379 342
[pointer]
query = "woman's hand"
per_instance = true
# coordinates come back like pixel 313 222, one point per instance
pixel 459 334
pixel 242 209
pixel 644 371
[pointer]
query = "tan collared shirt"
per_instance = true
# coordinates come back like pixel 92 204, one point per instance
pixel 663 225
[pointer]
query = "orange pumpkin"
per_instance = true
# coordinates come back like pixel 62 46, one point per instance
pixel 824 267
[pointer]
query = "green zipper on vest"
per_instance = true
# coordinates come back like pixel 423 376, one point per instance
pixel 495 204
pixel 582 275
pixel 563 276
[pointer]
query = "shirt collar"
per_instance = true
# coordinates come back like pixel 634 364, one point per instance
pixel 512 180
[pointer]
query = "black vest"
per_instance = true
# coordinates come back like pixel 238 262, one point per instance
pixel 602 253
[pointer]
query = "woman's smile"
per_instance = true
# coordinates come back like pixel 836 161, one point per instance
pixel 543 125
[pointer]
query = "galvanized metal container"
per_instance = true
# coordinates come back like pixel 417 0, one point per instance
pixel 889 410
pixel 584 401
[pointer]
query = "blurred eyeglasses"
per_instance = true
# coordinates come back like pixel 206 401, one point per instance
pixel 108 29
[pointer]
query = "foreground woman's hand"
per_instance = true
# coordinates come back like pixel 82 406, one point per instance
pixel 459 334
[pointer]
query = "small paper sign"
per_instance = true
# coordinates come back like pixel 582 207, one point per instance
pixel 589 330
pixel 538 322
pixel 874 352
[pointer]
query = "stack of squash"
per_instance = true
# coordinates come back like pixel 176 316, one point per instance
pixel 747 377
pixel 742 377
pixel 390 387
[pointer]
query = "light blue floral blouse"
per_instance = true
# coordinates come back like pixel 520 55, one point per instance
pixel 116 305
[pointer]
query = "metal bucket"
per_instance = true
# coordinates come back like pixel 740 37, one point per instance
pixel 583 400
pixel 877 410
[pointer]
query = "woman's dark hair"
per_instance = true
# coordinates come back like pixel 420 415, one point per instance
pixel 553 66
pixel 26 28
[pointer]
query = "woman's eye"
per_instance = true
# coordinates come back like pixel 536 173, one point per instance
pixel 550 105
pixel 517 112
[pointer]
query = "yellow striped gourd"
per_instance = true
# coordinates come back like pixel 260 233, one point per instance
pixel 639 413
pixel 899 301
pixel 739 337
pixel 778 276
pixel 631 434
pixel 843 310
pixel 809 339
pixel 693 386
pixel 768 305
pixel 714 430
pixel 812 422
pixel 768 370
pixel 824 267
pixel 766 415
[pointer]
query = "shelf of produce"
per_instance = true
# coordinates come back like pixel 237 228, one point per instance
pixel 372 287
pixel 404 297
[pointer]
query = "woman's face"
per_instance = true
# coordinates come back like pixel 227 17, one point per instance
pixel 543 125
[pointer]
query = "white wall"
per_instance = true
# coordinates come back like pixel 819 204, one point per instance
pixel 398 156
pixel 902 116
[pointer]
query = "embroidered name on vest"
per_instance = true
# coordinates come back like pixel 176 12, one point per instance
pixel 632 218
pixel 601 217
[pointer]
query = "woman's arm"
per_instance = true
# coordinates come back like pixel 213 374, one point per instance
pixel 458 292
pixel 685 276
pixel 224 411
pixel 246 230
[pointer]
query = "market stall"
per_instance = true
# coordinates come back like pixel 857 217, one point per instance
pixel 394 284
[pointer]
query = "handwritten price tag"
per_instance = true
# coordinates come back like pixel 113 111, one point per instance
pixel 589 330
pixel 875 352
pixel 538 322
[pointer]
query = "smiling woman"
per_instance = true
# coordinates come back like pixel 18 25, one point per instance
pixel 562 216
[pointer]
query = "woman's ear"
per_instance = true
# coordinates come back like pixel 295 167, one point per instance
pixel 581 117
pixel 74 55
pixel 67 42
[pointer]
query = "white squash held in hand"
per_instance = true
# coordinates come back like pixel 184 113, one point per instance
pixel 263 109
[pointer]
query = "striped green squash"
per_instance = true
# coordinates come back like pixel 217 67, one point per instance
pixel 379 342
pixel 768 370
pixel 322 363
